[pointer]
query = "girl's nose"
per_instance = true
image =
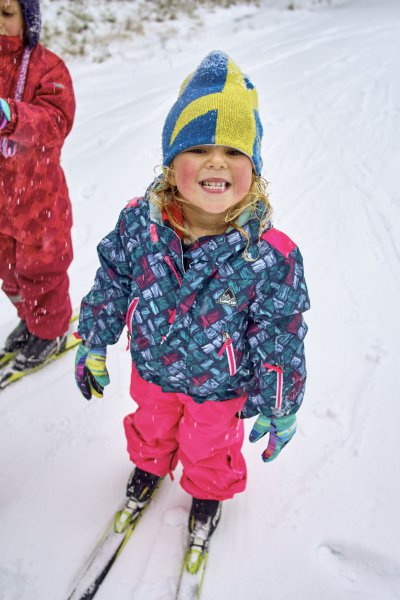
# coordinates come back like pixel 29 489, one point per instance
pixel 216 157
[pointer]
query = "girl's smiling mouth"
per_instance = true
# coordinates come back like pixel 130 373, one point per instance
pixel 215 185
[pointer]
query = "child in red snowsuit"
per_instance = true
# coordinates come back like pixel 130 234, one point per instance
pixel 37 108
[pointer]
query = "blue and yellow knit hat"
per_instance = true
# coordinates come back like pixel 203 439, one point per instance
pixel 217 104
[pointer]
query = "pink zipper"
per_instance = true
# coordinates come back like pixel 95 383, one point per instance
pixel 130 312
pixel 227 347
pixel 129 315
pixel 279 382
pixel 172 266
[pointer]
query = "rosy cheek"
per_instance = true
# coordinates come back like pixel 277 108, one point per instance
pixel 243 180
pixel 185 175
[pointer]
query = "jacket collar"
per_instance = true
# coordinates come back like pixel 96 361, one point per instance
pixel 11 45
pixel 215 248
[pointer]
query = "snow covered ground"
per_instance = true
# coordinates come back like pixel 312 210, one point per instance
pixel 321 522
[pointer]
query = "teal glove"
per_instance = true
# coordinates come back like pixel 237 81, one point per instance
pixel 281 430
pixel 5 113
pixel 91 374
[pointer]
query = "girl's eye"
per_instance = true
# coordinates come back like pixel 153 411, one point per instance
pixel 196 150
pixel 234 152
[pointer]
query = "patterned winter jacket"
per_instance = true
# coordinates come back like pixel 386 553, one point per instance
pixel 34 199
pixel 219 329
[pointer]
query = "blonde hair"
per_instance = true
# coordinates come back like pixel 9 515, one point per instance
pixel 165 197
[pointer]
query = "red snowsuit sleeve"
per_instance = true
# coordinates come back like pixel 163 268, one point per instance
pixel 48 117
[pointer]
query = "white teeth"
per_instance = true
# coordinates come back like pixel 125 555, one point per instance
pixel 213 185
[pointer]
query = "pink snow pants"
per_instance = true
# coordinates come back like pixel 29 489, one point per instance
pixel 206 438
pixel 35 280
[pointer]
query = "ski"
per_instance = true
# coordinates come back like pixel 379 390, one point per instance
pixel 6 357
pixel 108 549
pixel 100 562
pixel 10 371
pixel 203 520
pixel 192 573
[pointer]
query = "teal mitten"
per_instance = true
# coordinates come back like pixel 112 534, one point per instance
pixel 5 113
pixel 281 430
pixel 91 373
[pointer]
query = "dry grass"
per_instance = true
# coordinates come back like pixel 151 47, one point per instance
pixel 78 28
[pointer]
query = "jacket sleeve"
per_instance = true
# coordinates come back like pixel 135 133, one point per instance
pixel 276 337
pixel 103 309
pixel 48 118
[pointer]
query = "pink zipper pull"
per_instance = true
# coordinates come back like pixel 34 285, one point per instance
pixel 228 347
pixel 275 368
pixel 279 382
pixel 227 342
pixel 128 335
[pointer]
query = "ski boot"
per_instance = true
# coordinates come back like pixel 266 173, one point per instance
pixel 14 342
pixel 37 351
pixel 203 519
pixel 140 490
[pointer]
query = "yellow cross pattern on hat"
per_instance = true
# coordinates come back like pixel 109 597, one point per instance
pixel 235 106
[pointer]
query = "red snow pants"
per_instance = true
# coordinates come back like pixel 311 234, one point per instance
pixel 206 438
pixel 35 280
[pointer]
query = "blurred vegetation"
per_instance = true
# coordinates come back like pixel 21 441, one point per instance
pixel 79 28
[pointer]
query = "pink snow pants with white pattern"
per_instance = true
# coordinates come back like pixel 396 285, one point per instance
pixel 206 438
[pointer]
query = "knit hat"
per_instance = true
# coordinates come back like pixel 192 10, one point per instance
pixel 31 12
pixel 217 104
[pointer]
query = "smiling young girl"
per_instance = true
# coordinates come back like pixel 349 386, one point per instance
pixel 212 296
pixel 37 108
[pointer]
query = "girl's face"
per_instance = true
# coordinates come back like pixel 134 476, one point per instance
pixel 212 178
pixel 11 18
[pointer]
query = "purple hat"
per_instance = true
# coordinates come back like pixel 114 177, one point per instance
pixel 31 12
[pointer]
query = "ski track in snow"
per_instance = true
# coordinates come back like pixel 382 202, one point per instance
pixel 165 558
pixel 330 105
pixel 361 571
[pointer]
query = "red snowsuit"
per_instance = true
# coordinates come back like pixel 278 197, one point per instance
pixel 35 210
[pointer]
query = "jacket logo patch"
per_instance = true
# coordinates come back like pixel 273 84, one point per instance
pixel 228 297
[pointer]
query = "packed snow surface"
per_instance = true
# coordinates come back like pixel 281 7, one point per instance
pixel 322 521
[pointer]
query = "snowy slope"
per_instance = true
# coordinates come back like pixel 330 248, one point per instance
pixel 322 521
